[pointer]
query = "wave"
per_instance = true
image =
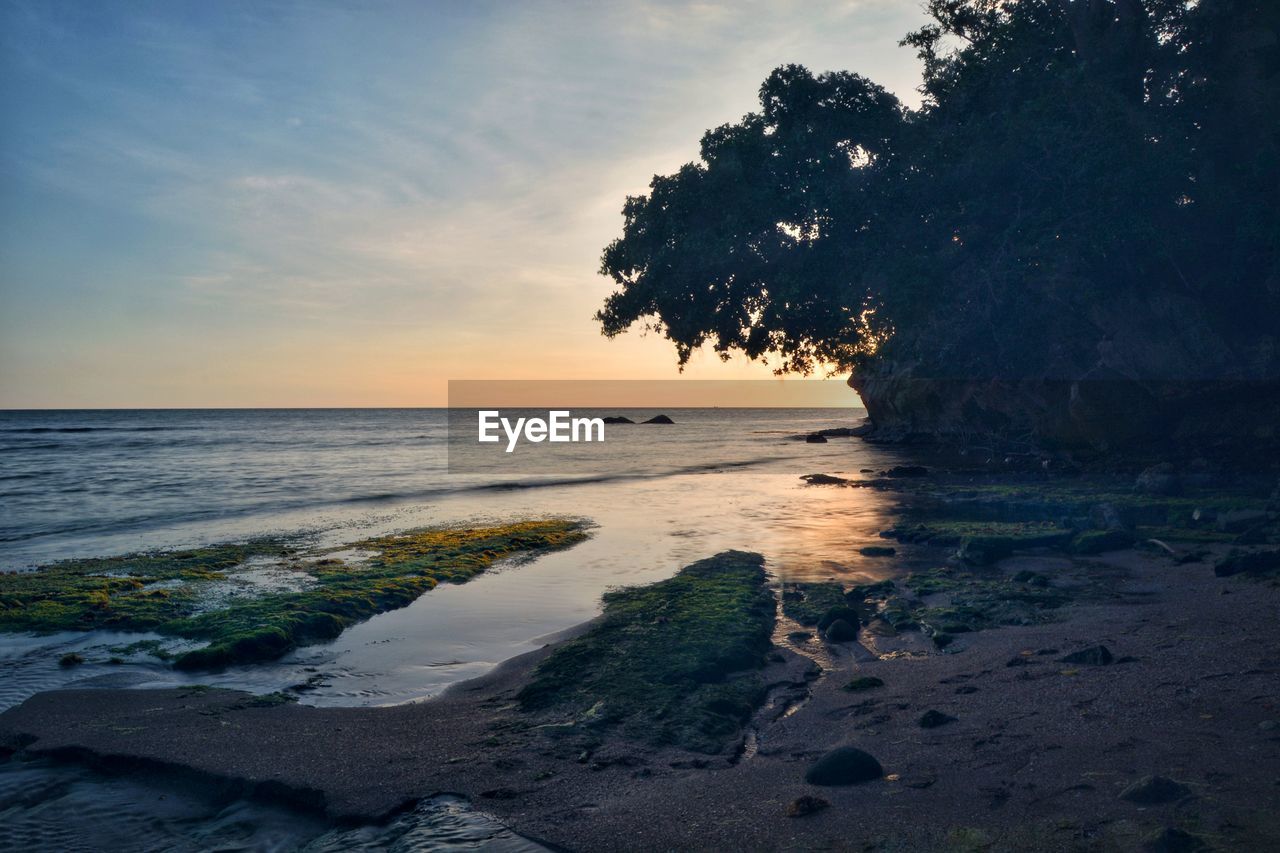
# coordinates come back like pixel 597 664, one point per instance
pixel 41 430
pixel 138 523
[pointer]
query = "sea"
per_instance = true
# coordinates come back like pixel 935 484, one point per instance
pixel 657 497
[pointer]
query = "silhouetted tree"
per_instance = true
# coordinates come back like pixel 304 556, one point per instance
pixel 1069 155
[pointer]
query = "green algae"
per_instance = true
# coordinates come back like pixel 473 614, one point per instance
pixel 818 604
pixel 121 593
pixel 670 663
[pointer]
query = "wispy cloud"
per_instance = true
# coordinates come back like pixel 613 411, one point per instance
pixel 435 177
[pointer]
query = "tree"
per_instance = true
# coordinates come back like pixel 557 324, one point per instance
pixel 1070 155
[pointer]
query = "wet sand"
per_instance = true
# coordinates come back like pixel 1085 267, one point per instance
pixel 1036 758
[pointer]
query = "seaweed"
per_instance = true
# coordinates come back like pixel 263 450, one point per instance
pixel 673 662
pixel 119 593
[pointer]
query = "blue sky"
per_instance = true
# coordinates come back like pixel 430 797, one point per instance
pixel 224 203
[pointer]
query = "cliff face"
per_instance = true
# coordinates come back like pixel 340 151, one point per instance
pixel 1157 373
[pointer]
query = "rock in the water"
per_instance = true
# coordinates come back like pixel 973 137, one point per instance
pixel 1159 479
pixel 931 719
pixel 806 805
pixel 658 419
pixel 1241 562
pixel 825 480
pixel 899 471
pixel 617 419
pixel 1173 840
pixel 865 682
pixel 845 765
pixel 1153 790
pixel 849 614
pixel 815 438
pixel 1092 656
pixel 841 631
pixel 877 551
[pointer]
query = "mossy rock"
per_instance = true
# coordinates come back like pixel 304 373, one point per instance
pixel 117 593
pixel 675 662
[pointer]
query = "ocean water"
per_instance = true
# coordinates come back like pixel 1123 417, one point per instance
pixel 76 484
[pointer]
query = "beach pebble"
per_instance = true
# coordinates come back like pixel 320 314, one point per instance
pixel 806 805
pixel 931 719
pixel 841 631
pixel 1173 840
pixel 1152 790
pixel 845 765
pixel 1093 656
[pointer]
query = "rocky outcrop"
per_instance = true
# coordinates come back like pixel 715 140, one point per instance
pixel 1158 373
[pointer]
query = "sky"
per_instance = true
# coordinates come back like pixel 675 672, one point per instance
pixel 349 204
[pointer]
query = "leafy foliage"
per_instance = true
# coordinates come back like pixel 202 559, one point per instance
pixel 1069 154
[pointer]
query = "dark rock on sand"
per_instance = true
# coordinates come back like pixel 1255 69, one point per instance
pixel 901 471
pixel 1153 790
pixel 815 438
pixel 845 765
pixel 1092 656
pixel 617 419
pixel 1241 562
pixel 877 551
pixel 865 682
pixel 806 805
pixel 658 419
pixel 1159 479
pixel 1173 840
pixel 849 614
pixel 841 631
pixel 931 719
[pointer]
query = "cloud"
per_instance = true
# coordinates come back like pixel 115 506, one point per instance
pixel 449 170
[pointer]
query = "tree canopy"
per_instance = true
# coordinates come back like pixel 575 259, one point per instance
pixel 1069 155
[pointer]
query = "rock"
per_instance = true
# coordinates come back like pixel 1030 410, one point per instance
pixel 1173 840
pixel 849 614
pixel 881 628
pixel 1092 656
pixel 825 480
pixel 1159 479
pixel 617 419
pixel 865 682
pixel 1241 520
pixel 877 551
pixel 1153 790
pixel 658 419
pixel 901 471
pixel 943 639
pixel 931 719
pixel 1268 726
pixel 800 636
pixel 806 805
pixel 845 765
pixel 841 631
pixel 1247 562
pixel 815 438
pixel 70 659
